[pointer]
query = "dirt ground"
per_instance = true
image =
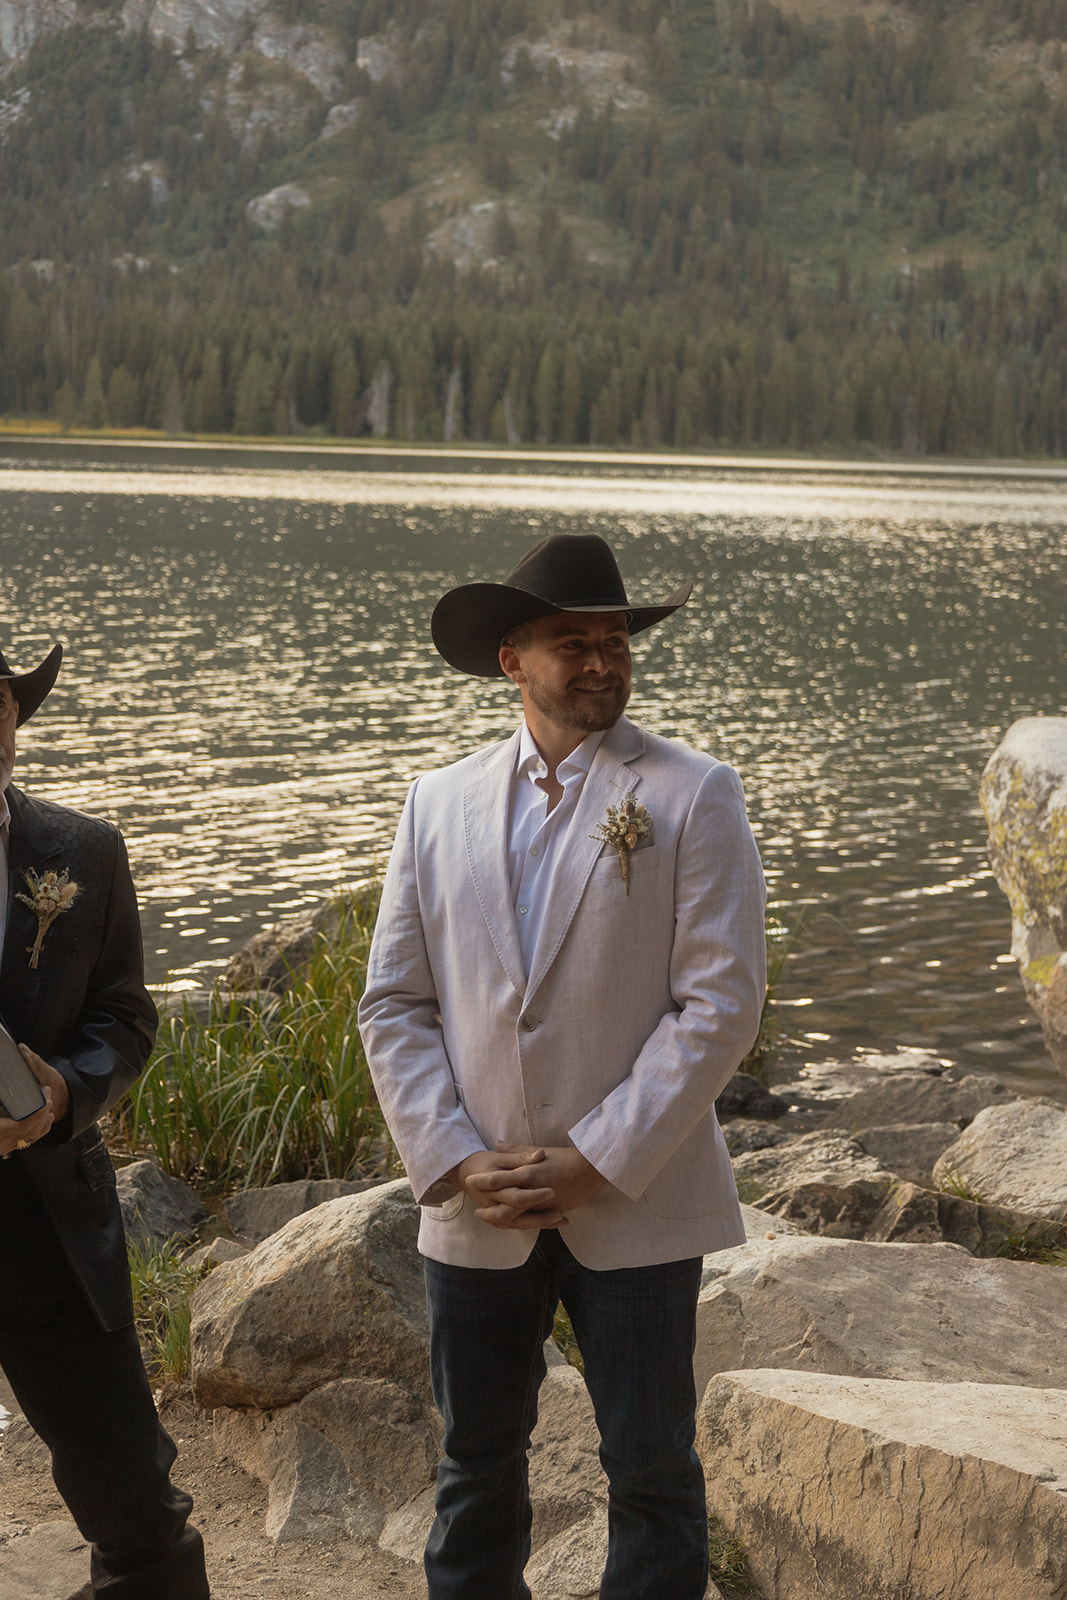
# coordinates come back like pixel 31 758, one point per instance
pixel 42 1558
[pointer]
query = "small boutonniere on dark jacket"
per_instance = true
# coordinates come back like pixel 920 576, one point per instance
pixel 51 893
pixel 627 824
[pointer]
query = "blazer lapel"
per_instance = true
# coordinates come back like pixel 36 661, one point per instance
pixel 31 843
pixel 485 826
pixel 609 781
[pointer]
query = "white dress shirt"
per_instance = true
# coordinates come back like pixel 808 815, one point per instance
pixel 535 834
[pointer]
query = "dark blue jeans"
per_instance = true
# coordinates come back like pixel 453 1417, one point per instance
pixel 635 1327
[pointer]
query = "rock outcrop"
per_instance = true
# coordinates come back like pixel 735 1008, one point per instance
pixel 1024 796
pixel 841 1488
pixel 882 1311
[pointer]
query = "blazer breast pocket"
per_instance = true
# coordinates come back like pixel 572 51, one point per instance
pixel 607 869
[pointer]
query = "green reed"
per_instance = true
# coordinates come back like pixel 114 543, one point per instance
pixel 163 1287
pixel 269 1092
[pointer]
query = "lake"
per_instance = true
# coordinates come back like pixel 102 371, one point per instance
pixel 250 685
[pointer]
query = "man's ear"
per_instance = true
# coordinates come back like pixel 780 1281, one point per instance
pixel 511 665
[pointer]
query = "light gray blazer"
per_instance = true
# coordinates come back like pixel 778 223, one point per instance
pixel 637 1009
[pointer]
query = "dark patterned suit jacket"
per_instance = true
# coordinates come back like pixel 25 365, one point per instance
pixel 85 1009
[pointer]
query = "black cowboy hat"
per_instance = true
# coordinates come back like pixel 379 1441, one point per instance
pixel 565 572
pixel 30 688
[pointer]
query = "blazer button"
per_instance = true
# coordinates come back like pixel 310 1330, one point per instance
pixel 528 1023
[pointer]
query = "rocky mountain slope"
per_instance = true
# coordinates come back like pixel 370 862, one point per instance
pixel 805 224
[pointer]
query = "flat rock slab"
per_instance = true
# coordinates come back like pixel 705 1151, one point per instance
pixel 882 1311
pixel 841 1487
pixel 49 1562
pixel 949 1096
pixel 910 1149
pixel 1013 1155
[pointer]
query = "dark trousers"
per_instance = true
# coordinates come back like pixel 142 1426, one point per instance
pixel 85 1392
pixel 636 1328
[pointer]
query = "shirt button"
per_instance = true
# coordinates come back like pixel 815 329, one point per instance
pixel 523 910
pixel 534 851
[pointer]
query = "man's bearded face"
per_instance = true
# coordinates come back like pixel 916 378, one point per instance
pixel 576 669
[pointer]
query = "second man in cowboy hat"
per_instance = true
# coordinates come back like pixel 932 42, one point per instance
pixel 72 993
pixel 568 966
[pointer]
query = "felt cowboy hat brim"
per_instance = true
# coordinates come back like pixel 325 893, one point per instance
pixel 565 572
pixel 30 688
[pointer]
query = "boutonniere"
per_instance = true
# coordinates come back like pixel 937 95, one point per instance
pixel 50 894
pixel 627 824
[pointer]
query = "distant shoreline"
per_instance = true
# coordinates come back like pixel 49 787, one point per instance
pixel 344 454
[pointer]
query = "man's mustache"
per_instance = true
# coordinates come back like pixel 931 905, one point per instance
pixel 610 682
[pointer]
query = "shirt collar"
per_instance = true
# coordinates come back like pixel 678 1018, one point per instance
pixel 5 811
pixel 531 763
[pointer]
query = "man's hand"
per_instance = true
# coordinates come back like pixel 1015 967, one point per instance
pixel 17 1135
pixel 538 1192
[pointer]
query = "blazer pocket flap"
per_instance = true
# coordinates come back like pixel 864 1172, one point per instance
pixel 446 1213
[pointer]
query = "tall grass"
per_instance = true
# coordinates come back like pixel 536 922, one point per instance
pixel 255 1096
pixel 163 1286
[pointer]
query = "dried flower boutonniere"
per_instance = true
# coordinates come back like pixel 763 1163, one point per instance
pixel 627 824
pixel 50 893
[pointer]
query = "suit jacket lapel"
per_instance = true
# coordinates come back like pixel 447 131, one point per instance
pixel 609 781
pixel 31 843
pixel 485 826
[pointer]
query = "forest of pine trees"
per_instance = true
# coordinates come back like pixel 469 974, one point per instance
pixel 137 292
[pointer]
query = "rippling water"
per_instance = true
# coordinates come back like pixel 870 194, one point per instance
pixel 250 685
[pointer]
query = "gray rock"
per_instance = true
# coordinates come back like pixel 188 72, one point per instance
pixel 156 1208
pixel 1024 796
pixel 814 1157
pixel 883 1311
pixel 255 1214
pixel 22 22
pixel 745 1096
pixel 918 1097
pixel 566 1479
pixel 48 1562
pixel 406 1531
pixel 337 1462
pixel 214 1254
pixel 336 1291
pixel 1013 1155
pixel 571 1566
pixel 823 1085
pixel 909 1149
pixel 758 1225
pixel 841 1487
pixel 271 959
pixel 748 1133
pixel 832 1210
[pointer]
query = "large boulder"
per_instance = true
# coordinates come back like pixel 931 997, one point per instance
pixel 1024 796
pixel 1013 1155
pixel 157 1209
pixel 842 1487
pixel 337 1291
pixel 882 1311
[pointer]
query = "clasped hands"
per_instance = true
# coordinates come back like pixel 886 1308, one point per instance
pixel 19 1135
pixel 527 1186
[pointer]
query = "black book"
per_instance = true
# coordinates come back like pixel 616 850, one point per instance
pixel 20 1093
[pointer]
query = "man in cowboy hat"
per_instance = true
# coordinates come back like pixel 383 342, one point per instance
pixel 568 966
pixel 72 993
